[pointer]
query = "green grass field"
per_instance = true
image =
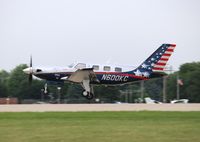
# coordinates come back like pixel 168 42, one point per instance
pixel 100 127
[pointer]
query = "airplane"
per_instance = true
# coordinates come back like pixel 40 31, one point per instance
pixel 95 74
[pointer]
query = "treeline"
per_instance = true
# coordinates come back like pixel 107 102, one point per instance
pixel 15 84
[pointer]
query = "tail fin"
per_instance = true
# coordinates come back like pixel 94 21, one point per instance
pixel 155 62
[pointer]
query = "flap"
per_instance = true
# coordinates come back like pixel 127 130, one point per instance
pixel 83 74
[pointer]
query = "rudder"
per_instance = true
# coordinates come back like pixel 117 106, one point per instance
pixel 156 62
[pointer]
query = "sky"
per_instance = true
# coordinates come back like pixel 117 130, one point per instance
pixel 125 32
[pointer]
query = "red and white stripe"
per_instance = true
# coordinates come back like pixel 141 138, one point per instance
pixel 159 66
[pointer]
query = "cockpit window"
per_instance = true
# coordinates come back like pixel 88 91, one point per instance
pixel 80 66
pixel 95 67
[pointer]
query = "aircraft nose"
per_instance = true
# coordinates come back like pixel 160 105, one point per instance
pixel 27 70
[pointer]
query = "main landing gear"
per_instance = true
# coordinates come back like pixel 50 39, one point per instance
pixel 88 92
pixel 88 95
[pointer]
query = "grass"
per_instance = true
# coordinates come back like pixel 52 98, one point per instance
pixel 100 127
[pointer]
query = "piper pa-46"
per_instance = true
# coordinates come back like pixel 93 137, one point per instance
pixel 90 74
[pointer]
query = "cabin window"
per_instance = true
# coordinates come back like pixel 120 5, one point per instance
pixel 106 68
pixel 95 67
pixel 80 66
pixel 117 69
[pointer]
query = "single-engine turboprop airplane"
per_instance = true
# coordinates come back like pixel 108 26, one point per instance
pixel 89 74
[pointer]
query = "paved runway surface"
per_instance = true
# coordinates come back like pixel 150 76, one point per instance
pixel 98 107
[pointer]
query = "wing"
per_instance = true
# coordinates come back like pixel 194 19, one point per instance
pixel 83 74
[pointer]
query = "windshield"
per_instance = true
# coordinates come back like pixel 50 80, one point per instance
pixel 71 65
pixel 80 66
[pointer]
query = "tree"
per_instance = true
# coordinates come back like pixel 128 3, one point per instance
pixel 107 93
pixel 189 73
pixel 171 86
pixel 4 75
pixel 153 88
pixel 19 87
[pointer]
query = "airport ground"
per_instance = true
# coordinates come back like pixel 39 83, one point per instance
pixel 100 122
pixel 126 126
pixel 97 107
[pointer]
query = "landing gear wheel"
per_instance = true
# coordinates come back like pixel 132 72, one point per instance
pixel 90 96
pixel 85 93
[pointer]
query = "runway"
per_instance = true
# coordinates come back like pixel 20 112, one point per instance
pixel 98 107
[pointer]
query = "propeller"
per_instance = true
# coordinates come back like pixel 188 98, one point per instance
pixel 30 78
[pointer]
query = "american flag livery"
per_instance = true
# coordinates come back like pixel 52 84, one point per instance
pixel 167 50
pixel 155 62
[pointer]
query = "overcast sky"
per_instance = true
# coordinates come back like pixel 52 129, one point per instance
pixel 126 32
